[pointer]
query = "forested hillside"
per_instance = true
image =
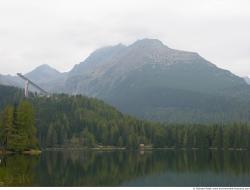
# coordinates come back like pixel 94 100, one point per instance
pixel 78 121
pixel 63 120
pixel 81 121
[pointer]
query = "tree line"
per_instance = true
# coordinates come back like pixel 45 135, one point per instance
pixel 78 121
pixel 219 136
pixel 83 121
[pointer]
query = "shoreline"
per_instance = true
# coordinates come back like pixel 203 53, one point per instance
pixel 142 149
pixel 38 152
pixel 26 152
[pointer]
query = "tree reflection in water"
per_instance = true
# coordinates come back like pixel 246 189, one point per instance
pixel 114 168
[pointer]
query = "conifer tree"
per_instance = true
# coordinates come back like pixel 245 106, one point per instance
pixel 7 126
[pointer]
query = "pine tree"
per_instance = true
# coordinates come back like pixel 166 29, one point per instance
pixel 218 139
pixel 26 131
pixel 120 141
pixel 7 127
pixel 88 138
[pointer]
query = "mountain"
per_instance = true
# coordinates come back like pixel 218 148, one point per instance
pixel 151 62
pixel 44 75
pixel 152 81
pixel 47 77
pixel 247 79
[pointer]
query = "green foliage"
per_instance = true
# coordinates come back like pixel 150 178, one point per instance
pixel 9 95
pixel 88 138
pixel 18 132
pixel 18 170
pixel 6 126
pixel 229 136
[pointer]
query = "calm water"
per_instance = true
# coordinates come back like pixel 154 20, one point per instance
pixel 127 168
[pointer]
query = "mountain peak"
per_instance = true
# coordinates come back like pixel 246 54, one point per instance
pixel 42 73
pixel 45 67
pixel 148 42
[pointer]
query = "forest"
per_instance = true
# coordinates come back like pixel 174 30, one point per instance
pixel 78 121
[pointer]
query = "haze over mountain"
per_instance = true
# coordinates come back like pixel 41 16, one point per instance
pixel 150 80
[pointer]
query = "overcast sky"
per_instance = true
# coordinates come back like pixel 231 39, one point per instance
pixel 62 33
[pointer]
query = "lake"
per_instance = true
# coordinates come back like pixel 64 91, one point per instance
pixel 127 168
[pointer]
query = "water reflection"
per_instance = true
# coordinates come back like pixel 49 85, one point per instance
pixel 127 168
pixel 18 170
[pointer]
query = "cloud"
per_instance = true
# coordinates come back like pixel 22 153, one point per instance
pixel 62 33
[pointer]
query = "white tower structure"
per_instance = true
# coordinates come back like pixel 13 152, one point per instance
pixel 26 89
pixel 29 82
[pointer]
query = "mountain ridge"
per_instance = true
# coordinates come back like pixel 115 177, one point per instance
pixel 149 80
